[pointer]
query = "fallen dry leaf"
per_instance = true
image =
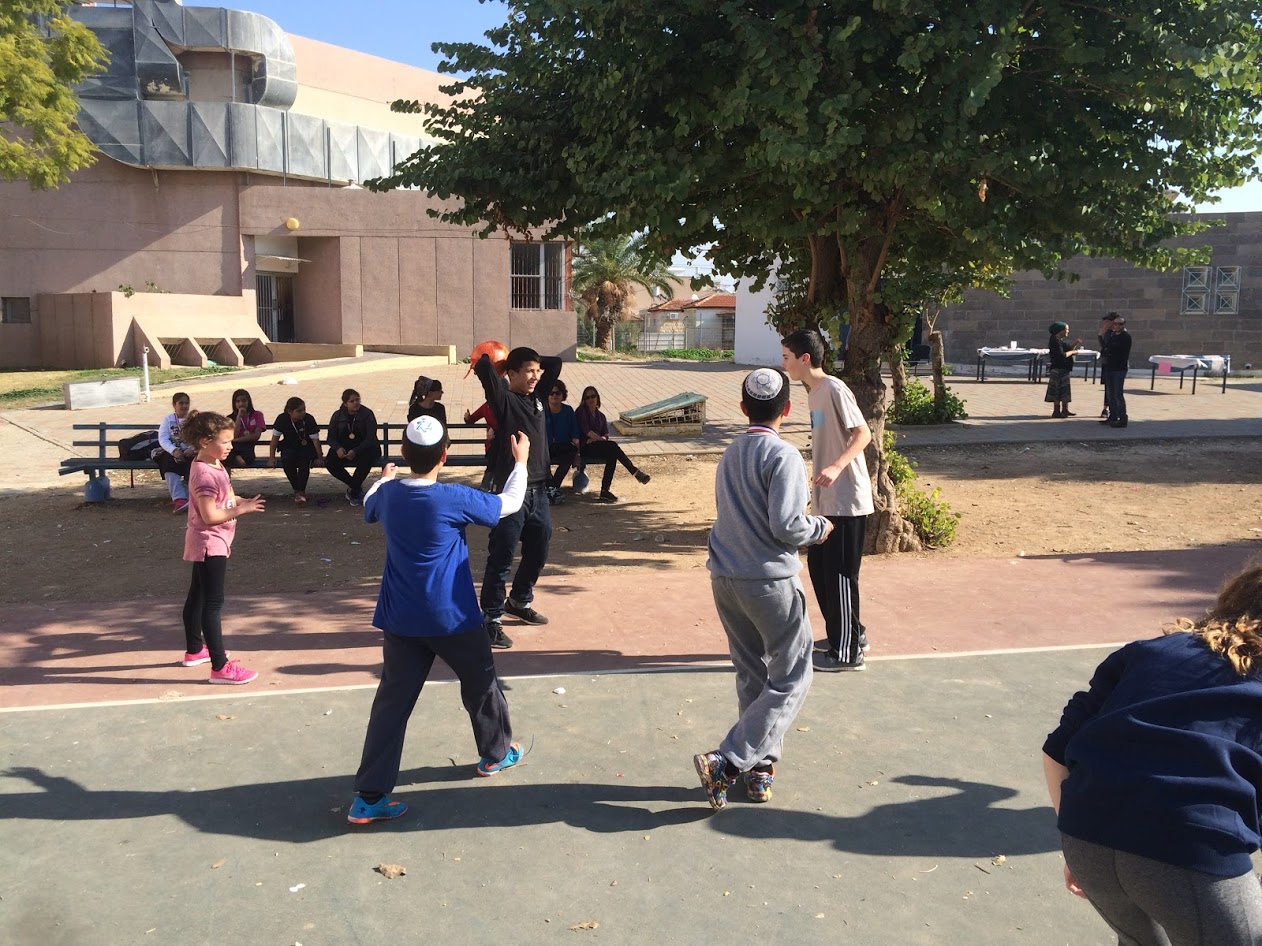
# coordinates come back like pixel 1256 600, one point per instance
pixel 998 860
pixel 223 716
pixel 586 925
pixel 219 863
pixel 804 729
pixel 390 871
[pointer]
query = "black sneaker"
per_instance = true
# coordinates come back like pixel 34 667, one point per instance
pixel 607 497
pixel 525 612
pixel 499 639
pixel 830 663
pixel 642 476
pixel 1117 423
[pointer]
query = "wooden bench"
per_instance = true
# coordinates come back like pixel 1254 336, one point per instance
pixel 466 449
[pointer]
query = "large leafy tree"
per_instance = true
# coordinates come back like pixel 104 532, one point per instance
pixel 43 55
pixel 854 138
pixel 606 271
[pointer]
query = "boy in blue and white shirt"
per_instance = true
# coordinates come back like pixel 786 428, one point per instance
pixel 427 608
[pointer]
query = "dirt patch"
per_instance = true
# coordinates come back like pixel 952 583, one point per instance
pixel 1013 499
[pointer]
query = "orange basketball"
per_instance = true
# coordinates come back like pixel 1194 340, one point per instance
pixel 494 350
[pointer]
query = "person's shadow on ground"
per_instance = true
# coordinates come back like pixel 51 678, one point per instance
pixel 965 823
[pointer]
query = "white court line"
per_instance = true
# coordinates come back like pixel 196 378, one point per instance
pixel 623 671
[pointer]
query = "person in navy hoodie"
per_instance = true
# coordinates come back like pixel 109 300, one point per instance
pixel 427 609
pixel 1155 772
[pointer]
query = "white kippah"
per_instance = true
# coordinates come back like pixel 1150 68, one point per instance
pixel 763 384
pixel 425 431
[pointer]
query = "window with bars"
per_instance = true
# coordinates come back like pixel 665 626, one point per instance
pixel 1210 290
pixel 537 279
pixel 15 310
pixel 1227 291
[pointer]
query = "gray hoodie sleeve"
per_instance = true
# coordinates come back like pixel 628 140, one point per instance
pixel 787 497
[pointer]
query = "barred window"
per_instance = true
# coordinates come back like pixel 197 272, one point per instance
pixel 15 310
pixel 537 278
pixel 1209 290
pixel 1227 291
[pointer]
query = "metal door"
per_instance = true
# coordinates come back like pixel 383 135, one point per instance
pixel 275 303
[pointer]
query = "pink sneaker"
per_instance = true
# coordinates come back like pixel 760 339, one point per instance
pixel 199 658
pixel 232 673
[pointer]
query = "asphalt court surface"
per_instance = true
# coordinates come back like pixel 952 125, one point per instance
pixel 908 808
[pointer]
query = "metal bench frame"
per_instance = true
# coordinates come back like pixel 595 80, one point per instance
pixel 108 435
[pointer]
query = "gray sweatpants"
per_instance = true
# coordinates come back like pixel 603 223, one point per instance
pixel 1149 903
pixel 769 637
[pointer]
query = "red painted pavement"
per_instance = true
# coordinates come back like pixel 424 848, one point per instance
pixel 635 620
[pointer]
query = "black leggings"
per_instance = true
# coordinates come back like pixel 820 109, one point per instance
pixel 563 455
pixel 339 469
pixel 297 470
pixel 612 454
pixel 203 608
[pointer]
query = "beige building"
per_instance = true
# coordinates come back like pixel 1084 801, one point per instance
pixel 225 219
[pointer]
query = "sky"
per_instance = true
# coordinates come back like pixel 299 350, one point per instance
pixel 402 30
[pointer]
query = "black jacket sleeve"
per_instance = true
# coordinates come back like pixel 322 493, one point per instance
pixel 333 433
pixel 551 366
pixel 493 386
pixel 1122 354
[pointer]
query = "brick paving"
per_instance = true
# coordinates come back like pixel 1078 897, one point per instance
pixel 1001 409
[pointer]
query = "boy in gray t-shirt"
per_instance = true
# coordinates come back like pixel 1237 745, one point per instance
pixel 760 491
pixel 842 491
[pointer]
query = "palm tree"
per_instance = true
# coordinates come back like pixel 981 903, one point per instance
pixel 606 270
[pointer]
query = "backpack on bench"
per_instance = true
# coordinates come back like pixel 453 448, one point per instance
pixel 140 446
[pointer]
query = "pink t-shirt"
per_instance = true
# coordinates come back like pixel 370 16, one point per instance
pixel 249 422
pixel 202 539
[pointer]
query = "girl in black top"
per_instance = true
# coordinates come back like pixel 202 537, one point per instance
pixel 425 396
pixel 353 443
pixel 300 450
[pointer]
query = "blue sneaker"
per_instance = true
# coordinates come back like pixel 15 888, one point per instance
pixel 384 809
pixel 489 767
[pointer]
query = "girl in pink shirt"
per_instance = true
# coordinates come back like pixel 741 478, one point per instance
pixel 212 513
pixel 250 425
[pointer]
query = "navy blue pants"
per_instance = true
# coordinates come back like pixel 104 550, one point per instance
pixel 405 666
pixel 531 526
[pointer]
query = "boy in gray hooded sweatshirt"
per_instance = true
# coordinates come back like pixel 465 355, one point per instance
pixel 761 494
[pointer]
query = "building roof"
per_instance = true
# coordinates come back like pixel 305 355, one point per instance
pixel 715 300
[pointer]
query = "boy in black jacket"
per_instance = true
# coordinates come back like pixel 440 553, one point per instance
pixel 517 409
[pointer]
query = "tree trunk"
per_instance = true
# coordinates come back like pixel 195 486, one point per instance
pixel 604 335
pixel 872 330
pixel 898 372
pixel 939 373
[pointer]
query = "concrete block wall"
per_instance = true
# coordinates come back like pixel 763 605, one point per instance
pixel 1150 301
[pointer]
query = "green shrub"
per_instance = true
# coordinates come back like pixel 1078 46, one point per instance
pixel 929 515
pixel 695 354
pixel 901 469
pixel 916 407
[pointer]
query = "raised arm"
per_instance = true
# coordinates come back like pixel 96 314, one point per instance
pixel 493 386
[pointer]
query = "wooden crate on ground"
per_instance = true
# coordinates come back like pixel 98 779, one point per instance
pixel 681 414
